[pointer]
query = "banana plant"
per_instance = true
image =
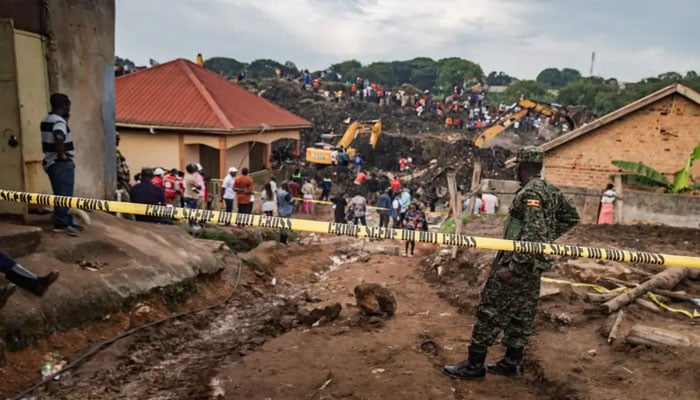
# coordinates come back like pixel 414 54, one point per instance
pixel 644 175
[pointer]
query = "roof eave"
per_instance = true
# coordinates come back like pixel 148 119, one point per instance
pixel 211 130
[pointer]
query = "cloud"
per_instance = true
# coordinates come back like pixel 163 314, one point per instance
pixel 520 37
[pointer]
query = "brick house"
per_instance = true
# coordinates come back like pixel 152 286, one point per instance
pixel 660 130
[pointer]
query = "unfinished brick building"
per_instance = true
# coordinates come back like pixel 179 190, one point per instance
pixel 660 130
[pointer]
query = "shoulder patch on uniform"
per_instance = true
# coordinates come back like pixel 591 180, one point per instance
pixel 533 203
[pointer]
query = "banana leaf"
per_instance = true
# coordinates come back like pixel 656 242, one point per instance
pixel 695 154
pixel 642 174
pixel 681 179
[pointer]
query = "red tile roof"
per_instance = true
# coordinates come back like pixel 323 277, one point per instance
pixel 181 94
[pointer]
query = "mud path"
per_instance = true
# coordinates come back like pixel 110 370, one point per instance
pixel 256 349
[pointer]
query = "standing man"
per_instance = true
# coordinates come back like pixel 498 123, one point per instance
pixel 229 195
pixel 384 208
pixel 539 213
pixel 22 277
pixel 326 185
pixel 243 186
pixel 147 192
pixel 57 145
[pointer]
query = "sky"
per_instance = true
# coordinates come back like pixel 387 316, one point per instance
pixel 632 39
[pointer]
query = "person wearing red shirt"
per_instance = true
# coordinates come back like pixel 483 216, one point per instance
pixel 361 177
pixel 243 186
pixel 395 184
pixel 170 186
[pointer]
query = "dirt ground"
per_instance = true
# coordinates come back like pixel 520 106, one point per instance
pixel 256 348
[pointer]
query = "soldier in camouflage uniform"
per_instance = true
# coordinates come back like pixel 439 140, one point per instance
pixel 539 213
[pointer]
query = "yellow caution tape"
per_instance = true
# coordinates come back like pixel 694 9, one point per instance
pixel 601 289
pixel 694 314
pixel 597 288
pixel 300 225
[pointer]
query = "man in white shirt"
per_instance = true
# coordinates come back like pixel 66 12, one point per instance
pixel 490 203
pixel 228 194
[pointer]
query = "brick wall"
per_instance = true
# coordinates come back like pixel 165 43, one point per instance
pixel 661 135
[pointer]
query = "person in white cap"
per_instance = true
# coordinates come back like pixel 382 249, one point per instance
pixel 227 192
pixel 158 177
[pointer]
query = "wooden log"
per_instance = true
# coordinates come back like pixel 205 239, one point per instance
pixel 600 297
pixel 648 305
pixel 651 336
pixel 614 331
pixel 666 279
pixel 675 295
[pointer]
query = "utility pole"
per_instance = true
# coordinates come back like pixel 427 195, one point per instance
pixel 592 62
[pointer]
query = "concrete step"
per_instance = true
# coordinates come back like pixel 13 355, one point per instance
pixel 19 240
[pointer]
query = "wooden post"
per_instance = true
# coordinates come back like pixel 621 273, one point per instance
pixel 476 184
pixel 619 205
pixel 456 205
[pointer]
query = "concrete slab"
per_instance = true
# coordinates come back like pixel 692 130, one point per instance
pixel 112 263
pixel 19 240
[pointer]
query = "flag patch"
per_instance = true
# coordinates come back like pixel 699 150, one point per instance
pixel 533 203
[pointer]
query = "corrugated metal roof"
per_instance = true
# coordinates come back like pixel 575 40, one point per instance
pixel 181 94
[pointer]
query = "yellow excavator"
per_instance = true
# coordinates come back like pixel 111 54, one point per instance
pixel 505 122
pixel 326 152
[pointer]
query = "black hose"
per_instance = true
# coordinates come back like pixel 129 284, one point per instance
pixel 105 343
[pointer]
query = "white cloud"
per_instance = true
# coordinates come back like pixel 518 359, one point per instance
pixel 518 37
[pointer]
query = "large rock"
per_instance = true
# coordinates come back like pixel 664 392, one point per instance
pixel 375 299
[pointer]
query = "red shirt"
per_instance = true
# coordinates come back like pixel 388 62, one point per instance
pixel 361 177
pixel 170 186
pixel 395 184
pixel 402 165
pixel 245 184
pixel 294 189
pixel 158 181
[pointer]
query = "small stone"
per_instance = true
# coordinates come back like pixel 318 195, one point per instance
pixel 592 352
pixel 311 316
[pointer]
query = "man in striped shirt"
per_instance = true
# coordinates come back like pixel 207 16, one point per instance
pixel 57 145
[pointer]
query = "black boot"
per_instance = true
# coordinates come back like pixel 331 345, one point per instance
pixel 511 365
pixel 470 369
pixel 25 279
pixel 5 293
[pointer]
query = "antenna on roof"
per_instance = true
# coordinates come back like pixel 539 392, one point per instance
pixel 200 60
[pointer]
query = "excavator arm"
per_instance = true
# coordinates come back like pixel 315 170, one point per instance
pixel 526 106
pixel 326 156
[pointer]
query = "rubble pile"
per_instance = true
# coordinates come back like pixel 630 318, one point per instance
pixel 404 134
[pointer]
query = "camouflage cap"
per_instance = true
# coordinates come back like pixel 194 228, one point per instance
pixel 530 154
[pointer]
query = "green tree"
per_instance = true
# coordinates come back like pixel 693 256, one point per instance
pixel 456 71
pixel 670 76
pixel 569 75
pixel 347 69
pixel 229 66
pixel 263 68
pixel 498 79
pixel 423 73
pixel 551 77
pixel 123 62
pixel 381 72
pixel 530 89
